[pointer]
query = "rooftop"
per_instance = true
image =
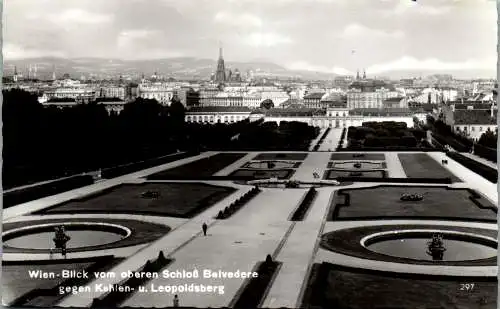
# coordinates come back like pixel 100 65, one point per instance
pixel 293 112
pixel 475 116
pixel 314 96
pixel 370 85
pixel 219 109
pixel 381 112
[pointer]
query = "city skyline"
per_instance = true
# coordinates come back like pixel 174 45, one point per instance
pixel 331 36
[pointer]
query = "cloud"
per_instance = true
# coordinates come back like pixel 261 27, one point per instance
pixel 360 31
pixel 74 16
pixel 305 66
pixel 431 64
pixel 282 2
pixel 414 7
pixel 244 19
pixel 266 39
pixel 129 38
pixel 13 52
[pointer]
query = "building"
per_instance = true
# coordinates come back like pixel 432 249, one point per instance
pixel 215 114
pixel 159 92
pixel 473 123
pixel 396 102
pixel 343 117
pixel 369 93
pixel 112 105
pixel 113 92
pixel 79 93
pixel 314 100
pixel 470 119
pixel 220 74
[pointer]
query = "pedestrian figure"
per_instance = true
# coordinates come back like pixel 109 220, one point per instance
pixel 176 301
pixel 204 227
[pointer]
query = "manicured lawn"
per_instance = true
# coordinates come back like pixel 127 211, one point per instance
pixel 420 165
pixel 295 156
pixel 183 200
pixel 332 174
pixel 384 202
pixel 263 174
pixel 332 286
pixel 343 156
pixel 142 233
pixel 200 169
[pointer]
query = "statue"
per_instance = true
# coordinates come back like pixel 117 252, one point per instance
pixel 292 184
pixel 60 239
pixel 435 247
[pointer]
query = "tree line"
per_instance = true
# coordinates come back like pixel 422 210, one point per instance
pixel 46 142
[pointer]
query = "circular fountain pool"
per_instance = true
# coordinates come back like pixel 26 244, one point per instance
pixel 82 235
pixel 413 244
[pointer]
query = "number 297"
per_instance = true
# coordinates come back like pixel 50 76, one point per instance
pixel 466 286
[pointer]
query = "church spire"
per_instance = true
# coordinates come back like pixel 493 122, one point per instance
pixel 364 74
pixel 220 51
pixel 357 74
pixel 220 74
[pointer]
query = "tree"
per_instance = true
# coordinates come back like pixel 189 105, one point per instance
pixel 267 104
pixel 488 139
pixel 192 98
pixel 177 111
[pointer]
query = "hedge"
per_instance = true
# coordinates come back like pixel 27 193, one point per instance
pixel 485 152
pixel 24 195
pixel 137 166
pixel 238 204
pixel 390 148
pixel 254 292
pixel 116 298
pixel 451 141
pixel 479 168
pixel 304 206
pixel 446 180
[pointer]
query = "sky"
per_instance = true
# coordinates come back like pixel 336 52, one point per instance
pixel 337 36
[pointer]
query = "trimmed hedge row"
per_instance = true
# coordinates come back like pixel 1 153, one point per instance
pixel 449 140
pixel 485 152
pixel 342 137
pixel 238 204
pixel 255 291
pixel 390 148
pixel 479 168
pixel 115 298
pixel 322 138
pixel 137 166
pixel 20 196
pixel 304 206
pixel 446 180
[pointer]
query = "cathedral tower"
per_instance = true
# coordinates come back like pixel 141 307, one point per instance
pixel 220 75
